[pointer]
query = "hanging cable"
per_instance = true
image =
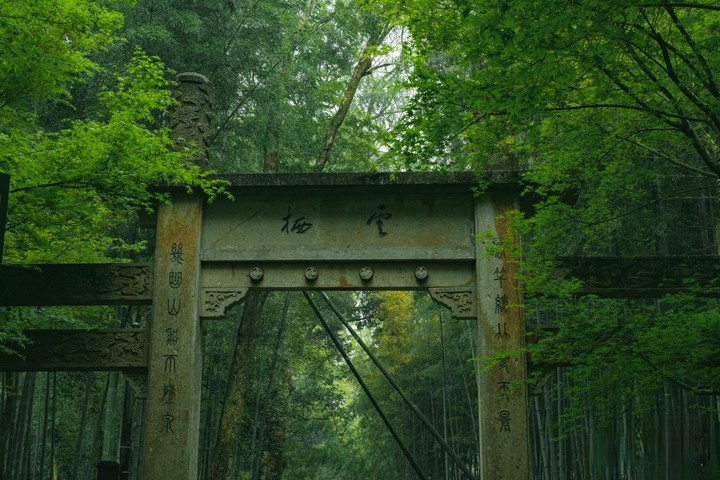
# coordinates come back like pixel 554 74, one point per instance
pixel 401 392
pixel 360 381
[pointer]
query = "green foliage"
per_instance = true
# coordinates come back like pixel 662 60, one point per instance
pixel 612 109
pixel 278 71
pixel 502 70
pixel 621 350
pixel 47 44
pixel 71 184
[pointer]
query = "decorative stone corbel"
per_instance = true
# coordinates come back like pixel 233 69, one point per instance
pixel 460 301
pixel 216 302
pixel 138 382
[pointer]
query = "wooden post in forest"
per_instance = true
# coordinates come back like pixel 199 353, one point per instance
pixel 174 381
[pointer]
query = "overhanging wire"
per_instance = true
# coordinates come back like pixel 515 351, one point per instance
pixel 401 392
pixel 365 388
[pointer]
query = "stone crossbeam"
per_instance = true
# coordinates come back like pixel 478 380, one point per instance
pixel 75 284
pixel 78 350
pixel 128 284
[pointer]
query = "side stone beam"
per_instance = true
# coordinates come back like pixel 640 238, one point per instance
pixel 75 284
pixel 642 277
pixel 79 350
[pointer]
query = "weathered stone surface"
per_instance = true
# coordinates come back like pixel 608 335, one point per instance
pixel 174 383
pixel 503 405
pixel 216 302
pixel 75 284
pixel 460 301
pixel 190 120
pixel 337 275
pixel 79 350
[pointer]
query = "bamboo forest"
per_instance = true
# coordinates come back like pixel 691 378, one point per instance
pixel 359 240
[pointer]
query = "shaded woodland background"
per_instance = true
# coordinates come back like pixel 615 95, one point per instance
pixel 610 107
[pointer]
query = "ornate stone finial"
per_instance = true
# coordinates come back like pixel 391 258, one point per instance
pixel 190 119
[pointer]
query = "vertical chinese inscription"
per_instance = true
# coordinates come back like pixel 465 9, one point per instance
pixel 176 260
pixel 503 398
pixel 174 382
pixel 174 372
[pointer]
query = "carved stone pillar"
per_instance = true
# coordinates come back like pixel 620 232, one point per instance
pixel 190 120
pixel 175 351
pixel 502 371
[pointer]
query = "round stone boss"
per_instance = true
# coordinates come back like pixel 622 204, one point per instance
pixel 311 273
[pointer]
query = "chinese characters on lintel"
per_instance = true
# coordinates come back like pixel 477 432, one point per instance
pixel 378 218
pixel 299 225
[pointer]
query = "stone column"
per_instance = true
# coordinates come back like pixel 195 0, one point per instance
pixel 175 344
pixel 502 371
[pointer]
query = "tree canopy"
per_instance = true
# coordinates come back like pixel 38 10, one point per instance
pixel 74 180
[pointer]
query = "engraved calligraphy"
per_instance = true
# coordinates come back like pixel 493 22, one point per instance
pixel 173 306
pixel 499 275
pixel 299 225
pixel 502 333
pixel 171 336
pixel 503 364
pixel 175 279
pixel 169 393
pixel 378 218
pixel 501 303
pixel 504 420
pixel 176 253
pixel 497 247
pixel 170 363
pixel 168 419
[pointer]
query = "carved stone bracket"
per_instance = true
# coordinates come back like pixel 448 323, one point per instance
pixel 138 382
pixel 216 302
pixel 460 301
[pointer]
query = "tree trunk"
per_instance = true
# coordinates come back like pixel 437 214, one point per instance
pixel 109 448
pixel 83 424
pixel 239 378
pixel 7 419
pixel 362 68
pixel 125 450
pixel 20 437
pixel 43 442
